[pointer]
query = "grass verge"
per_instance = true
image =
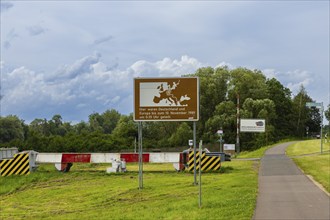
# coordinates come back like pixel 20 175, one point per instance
pixel 307 147
pixel 254 154
pixel 317 166
pixel 87 192
pixel 258 153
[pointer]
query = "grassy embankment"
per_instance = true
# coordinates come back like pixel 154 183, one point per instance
pixel 254 154
pixel 317 165
pixel 261 151
pixel 87 192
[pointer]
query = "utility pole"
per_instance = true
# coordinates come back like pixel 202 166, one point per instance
pixel 237 133
pixel 321 128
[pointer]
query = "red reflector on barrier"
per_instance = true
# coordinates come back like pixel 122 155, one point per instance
pixel 70 158
pixel 130 158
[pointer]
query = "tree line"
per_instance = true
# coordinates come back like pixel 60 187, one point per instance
pixel 220 91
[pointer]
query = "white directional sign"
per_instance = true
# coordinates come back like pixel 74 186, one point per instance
pixel 229 146
pixel 314 104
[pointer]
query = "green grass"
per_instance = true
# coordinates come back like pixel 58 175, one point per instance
pixel 87 192
pixel 307 147
pixel 318 166
pixel 254 154
pixel 258 153
pixel 13 183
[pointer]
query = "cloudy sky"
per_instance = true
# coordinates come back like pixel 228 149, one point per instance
pixel 78 57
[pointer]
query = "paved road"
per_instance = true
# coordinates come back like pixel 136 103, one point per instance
pixel 285 192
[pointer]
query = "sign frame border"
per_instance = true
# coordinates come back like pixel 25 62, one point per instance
pixel 164 120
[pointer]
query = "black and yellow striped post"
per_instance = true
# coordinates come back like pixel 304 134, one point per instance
pixel 19 165
pixel 208 162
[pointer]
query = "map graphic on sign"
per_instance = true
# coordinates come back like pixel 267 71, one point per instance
pixel 166 99
pixel 163 94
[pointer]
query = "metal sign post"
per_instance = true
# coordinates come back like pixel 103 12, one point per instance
pixel 220 132
pixel 195 180
pixel 135 145
pixel 200 172
pixel 140 155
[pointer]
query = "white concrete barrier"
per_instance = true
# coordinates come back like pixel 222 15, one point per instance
pixel 165 157
pixel 104 157
pixel 49 158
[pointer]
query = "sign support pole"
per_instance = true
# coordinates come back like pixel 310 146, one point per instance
pixel 194 128
pixel 321 128
pixel 200 175
pixel 140 155
pixel 135 145
pixel 221 148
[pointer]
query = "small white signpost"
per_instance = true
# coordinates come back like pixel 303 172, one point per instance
pixel 220 133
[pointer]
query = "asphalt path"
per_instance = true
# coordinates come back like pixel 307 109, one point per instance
pixel 285 192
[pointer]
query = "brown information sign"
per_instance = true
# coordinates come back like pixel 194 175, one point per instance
pixel 166 99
